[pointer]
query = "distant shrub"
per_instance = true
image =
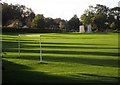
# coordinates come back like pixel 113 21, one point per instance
pixel 29 30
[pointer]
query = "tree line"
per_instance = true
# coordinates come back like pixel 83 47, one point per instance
pixel 101 18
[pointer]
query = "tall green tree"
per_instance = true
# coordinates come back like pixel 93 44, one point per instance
pixel 86 18
pixel 38 21
pixel 74 23
pixel 97 16
pixel 101 9
pixel 16 12
pixel 49 22
pixel 116 13
pixel 9 12
pixel 99 21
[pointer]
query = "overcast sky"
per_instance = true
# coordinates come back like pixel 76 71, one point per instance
pixel 64 9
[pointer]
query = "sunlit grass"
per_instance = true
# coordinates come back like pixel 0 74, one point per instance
pixel 69 57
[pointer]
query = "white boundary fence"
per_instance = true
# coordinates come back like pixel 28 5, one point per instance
pixel 40 44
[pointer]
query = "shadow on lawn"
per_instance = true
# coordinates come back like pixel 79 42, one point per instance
pixel 98 62
pixel 60 46
pixel 79 60
pixel 30 50
pixel 19 74
pixel 79 47
pixel 80 53
pixel 62 43
pixel 65 52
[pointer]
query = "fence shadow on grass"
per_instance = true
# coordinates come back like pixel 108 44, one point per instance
pixel 21 74
pixel 62 43
pixel 66 52
pixel 63 58
pixel 96 62
pixel 80 53
pixel 77 47
pixel 79 60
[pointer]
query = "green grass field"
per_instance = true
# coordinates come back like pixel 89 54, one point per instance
pixel 67 58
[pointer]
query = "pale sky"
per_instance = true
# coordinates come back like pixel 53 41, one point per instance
pixel 64 9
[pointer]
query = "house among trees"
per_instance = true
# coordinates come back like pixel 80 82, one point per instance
pixel 16 24
pixel 13 23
